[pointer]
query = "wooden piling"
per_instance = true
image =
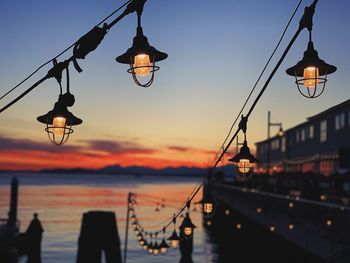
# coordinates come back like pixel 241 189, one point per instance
pixel 99 234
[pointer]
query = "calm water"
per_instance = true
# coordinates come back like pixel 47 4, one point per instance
pixel 61 200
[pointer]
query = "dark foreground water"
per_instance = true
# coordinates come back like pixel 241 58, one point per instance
pixel 61 199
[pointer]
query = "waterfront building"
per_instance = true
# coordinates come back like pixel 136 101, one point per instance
pixel 321 145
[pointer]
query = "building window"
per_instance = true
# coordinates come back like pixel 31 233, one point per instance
pixel 339 121
pixel 302 135
pixel 311 132
pixel 297 136
pixel 323 131
pixel 283 144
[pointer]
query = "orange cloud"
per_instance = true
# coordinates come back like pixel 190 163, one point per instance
pixel 24 154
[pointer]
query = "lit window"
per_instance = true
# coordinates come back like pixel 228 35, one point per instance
pixel 311 132
pixel 339 121
pixel 323 131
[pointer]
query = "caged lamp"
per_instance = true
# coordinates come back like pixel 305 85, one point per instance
pixel 311 72
pixel 244 159
pixel 59 120
pixel 141 57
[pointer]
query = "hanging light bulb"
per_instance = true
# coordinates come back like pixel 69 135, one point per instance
pixel 280 132
pixel 142 65
pixel 145 243
pixel 187 226
pixel 311 77
pixel 311 72
pixel 244 159
pixel 150 245
pixel 156 249
pixel 208 204
pixel 174 239
pixel 59 120
pixel 163 247
pixel 141 57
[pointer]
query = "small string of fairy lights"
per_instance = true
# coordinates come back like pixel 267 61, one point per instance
pixel 149 240
pixel 207 204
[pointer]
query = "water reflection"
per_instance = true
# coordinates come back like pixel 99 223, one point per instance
pixel 62 200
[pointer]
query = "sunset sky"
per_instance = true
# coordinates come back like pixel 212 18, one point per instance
pixel 216 51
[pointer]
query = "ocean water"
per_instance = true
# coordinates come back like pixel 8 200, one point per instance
pixel 61 199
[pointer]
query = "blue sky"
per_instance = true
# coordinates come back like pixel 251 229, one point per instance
pixel 216 51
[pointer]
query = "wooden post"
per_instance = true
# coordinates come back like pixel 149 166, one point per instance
pixel 99 233
pixel 13 201
pixel 33 237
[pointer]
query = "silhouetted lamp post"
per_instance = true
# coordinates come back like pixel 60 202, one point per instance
pixel 280 133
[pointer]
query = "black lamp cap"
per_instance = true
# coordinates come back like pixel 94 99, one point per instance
pixel 311 59
pixel 244 153
pixel 60 109
pixel 164 244
pixel 187 222
pixel 173 236
pixel 141 46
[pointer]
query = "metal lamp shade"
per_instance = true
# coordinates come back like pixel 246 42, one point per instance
pixel 141 46
pixel 163 247
pixel 244 153
pixel 318 80
pixel 174 239
pixel 59 134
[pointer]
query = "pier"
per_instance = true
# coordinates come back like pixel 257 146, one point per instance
pixel 318 230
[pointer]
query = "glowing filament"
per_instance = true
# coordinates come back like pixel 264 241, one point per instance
pixel 174 243
pixel 311 77
pixel 155 251
pixel 244 166
pixel 208 208
pixel 188 231
pixel 142 65
pixel 59 123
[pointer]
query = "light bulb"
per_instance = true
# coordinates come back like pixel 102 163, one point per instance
pixel 174 243
pixel 244 166
pixel 155 251
pixel 188 231
pixel 208 208
pixel 142 65
pixel 163 250
pixel 311 77
pixel 58 125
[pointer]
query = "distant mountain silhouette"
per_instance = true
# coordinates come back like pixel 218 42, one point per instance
pixel 134 170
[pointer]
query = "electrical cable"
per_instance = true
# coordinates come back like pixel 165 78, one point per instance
pixel 261 74
pixel 60 54
pixel 196 190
